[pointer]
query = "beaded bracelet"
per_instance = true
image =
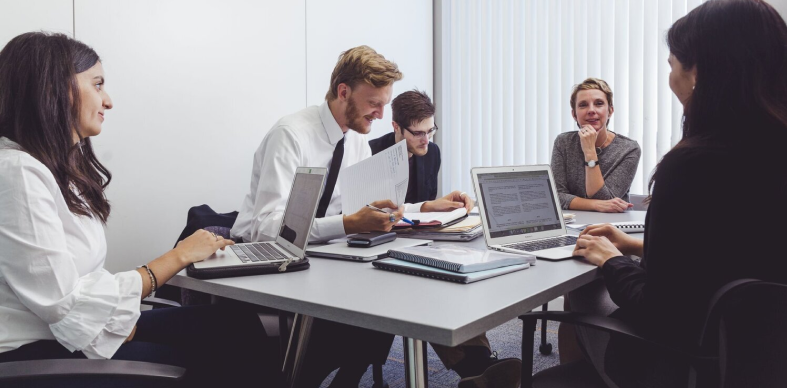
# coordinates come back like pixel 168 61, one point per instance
pixel 153 280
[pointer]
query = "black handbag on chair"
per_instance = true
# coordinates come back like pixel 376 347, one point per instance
pixel 202 217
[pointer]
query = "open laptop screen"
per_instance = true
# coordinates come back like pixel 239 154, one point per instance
pixel 518 202
pixel 300 209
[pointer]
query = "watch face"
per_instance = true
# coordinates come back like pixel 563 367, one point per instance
pixel 591 163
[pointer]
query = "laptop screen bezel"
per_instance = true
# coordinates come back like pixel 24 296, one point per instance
pixel 490 241
pixel 290 247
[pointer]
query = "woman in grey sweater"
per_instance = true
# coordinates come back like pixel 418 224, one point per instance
pixel 594 167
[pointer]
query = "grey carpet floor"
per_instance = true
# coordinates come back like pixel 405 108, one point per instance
pixel 506 340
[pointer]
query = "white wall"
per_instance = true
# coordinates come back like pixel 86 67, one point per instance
pixel 197 84
pixel 17 17
pixel 781 6
pixel 399 30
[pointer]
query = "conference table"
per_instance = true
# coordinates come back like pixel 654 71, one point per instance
pixel 418 309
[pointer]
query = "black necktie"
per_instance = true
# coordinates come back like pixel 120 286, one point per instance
pixel 333 174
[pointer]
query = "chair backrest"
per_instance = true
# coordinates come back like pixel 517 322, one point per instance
pixel 747 324
pixel 638 201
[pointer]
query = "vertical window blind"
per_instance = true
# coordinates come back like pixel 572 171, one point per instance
pixel 507 68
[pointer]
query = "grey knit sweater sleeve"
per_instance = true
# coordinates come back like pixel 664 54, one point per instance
pixel 618 163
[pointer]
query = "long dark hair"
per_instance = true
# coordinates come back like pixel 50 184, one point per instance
pixel 39 110
pixel 739 48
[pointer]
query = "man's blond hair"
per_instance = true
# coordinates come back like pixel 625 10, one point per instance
pixel 592 84
pixel 362 63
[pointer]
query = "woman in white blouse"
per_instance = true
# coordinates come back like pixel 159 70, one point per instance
pixel 56 299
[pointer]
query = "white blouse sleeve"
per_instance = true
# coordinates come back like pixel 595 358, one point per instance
pixel 93 313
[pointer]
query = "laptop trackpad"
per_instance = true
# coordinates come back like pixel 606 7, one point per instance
pixel 219 259
pixel 559 253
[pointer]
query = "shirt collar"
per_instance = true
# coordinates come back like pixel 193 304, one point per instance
pixel 8 143
pixel 332 128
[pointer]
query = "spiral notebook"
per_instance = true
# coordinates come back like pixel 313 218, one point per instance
pixel 460 259
pixel 627 226
pixel 406 267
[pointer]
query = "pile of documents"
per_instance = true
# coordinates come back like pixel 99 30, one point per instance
pixel 466 230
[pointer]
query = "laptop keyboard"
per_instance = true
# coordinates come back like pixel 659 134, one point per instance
pixel 540 245
pixel 257 252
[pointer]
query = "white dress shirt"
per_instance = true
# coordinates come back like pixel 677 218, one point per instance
pixel 53 285
pixel 304 139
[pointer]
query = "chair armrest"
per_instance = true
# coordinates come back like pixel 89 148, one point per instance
pixel 47 369
pixel 615 327
pixel 159 302
pixel 606 324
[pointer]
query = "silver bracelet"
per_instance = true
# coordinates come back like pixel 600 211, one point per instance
pixel 153 280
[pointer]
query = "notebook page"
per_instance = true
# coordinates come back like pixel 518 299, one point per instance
pixel 383 176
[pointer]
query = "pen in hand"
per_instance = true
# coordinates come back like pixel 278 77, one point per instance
pixel 383 211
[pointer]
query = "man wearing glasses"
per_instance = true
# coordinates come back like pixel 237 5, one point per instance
pixel 413 122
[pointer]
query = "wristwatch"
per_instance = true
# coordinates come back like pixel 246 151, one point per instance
pixel 592 163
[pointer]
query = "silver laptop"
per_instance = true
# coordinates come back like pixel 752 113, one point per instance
pixel 344 252
pixel 293 232
pixel 520 211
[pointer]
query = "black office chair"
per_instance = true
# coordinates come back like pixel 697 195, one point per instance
pixel 638 201
pixel 91 373
pixel 742 344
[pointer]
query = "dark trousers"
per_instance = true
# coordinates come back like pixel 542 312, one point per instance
pixel 334 345
pixel 453 355
pixel 218 345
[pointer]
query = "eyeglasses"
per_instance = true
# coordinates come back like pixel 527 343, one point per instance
pixel 421 134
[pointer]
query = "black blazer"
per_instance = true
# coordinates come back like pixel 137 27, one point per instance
pixel 426 168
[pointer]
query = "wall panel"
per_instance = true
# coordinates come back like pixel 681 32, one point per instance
pixel 196 85
pixel 17 17
pixel 401 31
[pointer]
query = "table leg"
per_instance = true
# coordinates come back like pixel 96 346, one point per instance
pixel 296 350
pixel 415 363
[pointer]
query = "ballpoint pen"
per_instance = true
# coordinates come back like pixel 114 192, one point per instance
pixel 383 211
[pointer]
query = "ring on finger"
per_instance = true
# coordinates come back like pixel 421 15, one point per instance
pixel 391 218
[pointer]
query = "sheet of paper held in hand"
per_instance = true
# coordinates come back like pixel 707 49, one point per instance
pixel 383 176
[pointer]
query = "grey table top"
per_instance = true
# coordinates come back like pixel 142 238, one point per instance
pixel 431 310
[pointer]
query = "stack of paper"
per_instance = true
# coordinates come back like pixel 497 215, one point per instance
pixel 466 230
pixel 434 219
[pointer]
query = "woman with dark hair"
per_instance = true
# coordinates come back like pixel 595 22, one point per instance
pixel 709 221
pixel 56 299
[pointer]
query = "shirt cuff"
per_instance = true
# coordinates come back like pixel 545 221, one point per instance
pixel 413 207
pixel 104 314
pixel 328 228
pixel 616 262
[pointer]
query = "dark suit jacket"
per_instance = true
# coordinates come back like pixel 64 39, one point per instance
pixel 426 168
